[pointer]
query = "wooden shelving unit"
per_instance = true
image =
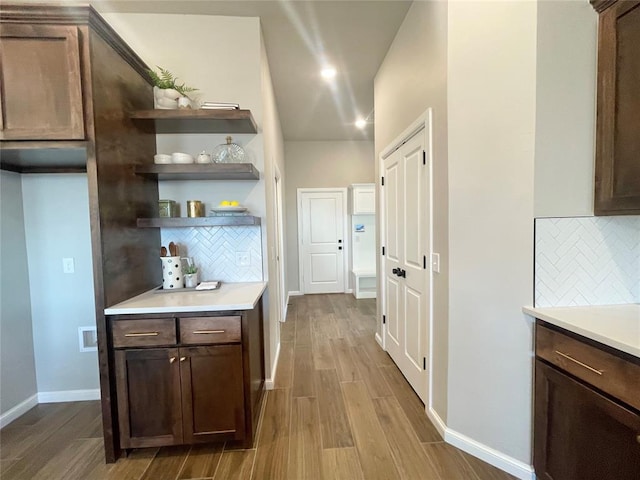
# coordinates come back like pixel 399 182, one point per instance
pixel 199 121
pixel 182 222
pixel 197 171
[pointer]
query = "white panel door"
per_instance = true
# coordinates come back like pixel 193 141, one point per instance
pixel 406 239
pixel 321 220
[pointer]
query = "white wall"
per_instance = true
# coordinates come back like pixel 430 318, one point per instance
pixel 56 220
pixel 17 364
pixel 565 108
pixel 492 99
pixel 412 78
pixel 319 165
pixel 273 159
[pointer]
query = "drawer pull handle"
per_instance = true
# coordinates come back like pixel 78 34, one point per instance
pixel 206 332
pixel 591 369
pixel 142 334
pixel 638 439
pixel 172 359
pixel 182 359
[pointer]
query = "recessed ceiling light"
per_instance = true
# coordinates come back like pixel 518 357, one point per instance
pixel 328 73
pixel 361 123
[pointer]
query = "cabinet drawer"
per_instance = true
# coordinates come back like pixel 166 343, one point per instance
pixel 144 333
pixel 209 330
pixel 613 375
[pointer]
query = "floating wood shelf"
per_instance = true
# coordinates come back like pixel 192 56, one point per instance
pixel 177 222
pixel 197 171
pixel 199 121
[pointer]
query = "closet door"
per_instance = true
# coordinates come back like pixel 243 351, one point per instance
pixel 406 211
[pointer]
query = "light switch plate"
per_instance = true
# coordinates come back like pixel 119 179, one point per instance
pixel 243 259
pixel 68 265
pixel 435 262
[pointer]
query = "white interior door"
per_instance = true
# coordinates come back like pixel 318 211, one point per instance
pixel 321 217
pixel 406 238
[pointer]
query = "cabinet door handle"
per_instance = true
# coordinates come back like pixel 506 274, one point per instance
pixel 584 365
pixel 172 359
pixel 142 334
pixel 207 332
pixel 182 359
pixel 638 439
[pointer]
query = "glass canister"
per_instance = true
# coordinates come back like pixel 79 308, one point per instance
pixel 228 153
pixel 167 208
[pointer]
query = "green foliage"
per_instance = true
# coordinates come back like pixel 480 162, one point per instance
pixel 189 269
pixel 166 79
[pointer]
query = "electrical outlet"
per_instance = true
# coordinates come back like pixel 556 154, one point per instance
pixel 68 265
pixel 243 259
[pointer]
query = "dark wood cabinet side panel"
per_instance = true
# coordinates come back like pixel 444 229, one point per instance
pixel 129 255
pixel 255 371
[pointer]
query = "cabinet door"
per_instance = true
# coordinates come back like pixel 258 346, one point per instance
pixel 212 393
pixel 41 97
pixel 364 199
pixel 148 390
pixel 580 434
pixel 617 182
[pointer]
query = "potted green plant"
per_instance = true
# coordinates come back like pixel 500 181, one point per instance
pixel 167 92
pixel 190 276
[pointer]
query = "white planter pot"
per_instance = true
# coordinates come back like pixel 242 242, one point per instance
pixel 165 98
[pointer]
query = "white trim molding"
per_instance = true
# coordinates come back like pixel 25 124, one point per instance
pixel 494 457
pixel 69 396
pixel 269 383
pixel 295 293
pixel 13 413
pixel 485 453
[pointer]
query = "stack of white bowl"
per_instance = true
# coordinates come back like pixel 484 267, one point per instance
pixel 177 157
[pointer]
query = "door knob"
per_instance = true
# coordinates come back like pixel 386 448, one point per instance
pixel 402 273
pixel 395 271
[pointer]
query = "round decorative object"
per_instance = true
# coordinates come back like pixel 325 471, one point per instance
pixel 228 153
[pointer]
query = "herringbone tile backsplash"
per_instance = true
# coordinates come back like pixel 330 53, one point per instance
pixel 214 251
pixel 587 261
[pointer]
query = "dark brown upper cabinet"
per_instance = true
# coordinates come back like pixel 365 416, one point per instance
pixel 617 174
pixel 41 83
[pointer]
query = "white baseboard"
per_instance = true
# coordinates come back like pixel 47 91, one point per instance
pixel 269 383
pixel 295 293
pixel 349 290
pixel 23 407
pixel 493 457
pixel 437 421
pixel 379 340
pixel 69 396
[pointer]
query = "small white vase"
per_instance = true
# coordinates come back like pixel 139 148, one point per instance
pixel 165 98
pixel 191 280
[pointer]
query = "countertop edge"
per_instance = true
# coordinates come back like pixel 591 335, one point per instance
pixel 209 307
pixel 554 319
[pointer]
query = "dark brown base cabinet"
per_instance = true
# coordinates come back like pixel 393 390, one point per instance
pixel 186 380
pixel 581 433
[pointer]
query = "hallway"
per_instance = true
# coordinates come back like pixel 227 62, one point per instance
pixel 340 410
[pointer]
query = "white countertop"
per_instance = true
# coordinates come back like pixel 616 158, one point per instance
pixel 617 326
pixel 230 296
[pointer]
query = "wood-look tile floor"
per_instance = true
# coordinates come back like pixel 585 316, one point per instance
pixel 340 410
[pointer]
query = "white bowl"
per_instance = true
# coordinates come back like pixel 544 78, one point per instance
pixel 181 158
pixel 162 158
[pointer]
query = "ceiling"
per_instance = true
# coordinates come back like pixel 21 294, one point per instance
pixel 300 37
